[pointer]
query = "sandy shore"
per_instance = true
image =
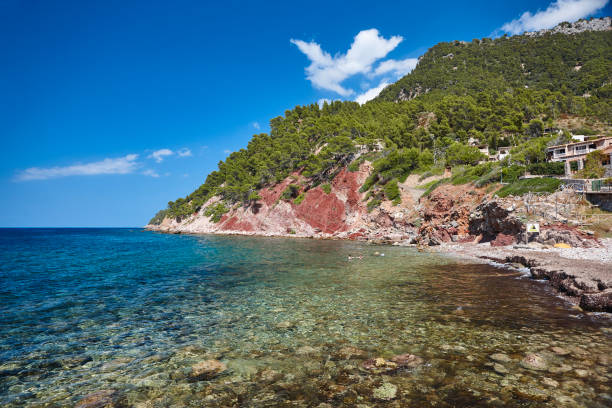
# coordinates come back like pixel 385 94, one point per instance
pixel 582 275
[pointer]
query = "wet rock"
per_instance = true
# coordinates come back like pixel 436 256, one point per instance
pixel 500 369
pixel 581 373
pixel 563 368
pixel 500 358
pixel 207 369
pixel 346 353
pixel 407 360
pixel 531 394
pixel 103 399
pixel 116 363
pixel 549 382
pixel 304 350
pixel 560 351
pixel 385 392
pixel 597 302
pixel 270 375
pixel 379 365
pixel 534 362
pixel 284 325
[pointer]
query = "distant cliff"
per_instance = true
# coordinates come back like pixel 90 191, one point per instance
pixel 371 172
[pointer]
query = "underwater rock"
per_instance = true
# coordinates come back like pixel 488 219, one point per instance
pixel 306 350
pixel 560 351
pixel 284 325
pixel 531 394
pixel 550 382
pixel 500 369
pixel 207 369
pixel 385 392
pixel 563 368
pixel 103 399
pixel 500 358
pixel 534 362
pixel 379 365
pixel 581 373
pixel 407 360
pixel 346 353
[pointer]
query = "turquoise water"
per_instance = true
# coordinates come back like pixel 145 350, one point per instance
pixel 85 310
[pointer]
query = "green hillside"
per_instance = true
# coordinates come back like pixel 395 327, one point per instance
pixel 503 92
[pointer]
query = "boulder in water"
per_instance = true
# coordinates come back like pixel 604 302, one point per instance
pixel 103 399
pixel 207 369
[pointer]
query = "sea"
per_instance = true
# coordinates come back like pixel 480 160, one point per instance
pixel 125 314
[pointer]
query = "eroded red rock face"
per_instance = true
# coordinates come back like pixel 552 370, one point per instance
pixel 270 195
pixel 235 224
pixel 349 183
pixel 323 211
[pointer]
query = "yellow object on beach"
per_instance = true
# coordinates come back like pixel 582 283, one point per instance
pixel 562 245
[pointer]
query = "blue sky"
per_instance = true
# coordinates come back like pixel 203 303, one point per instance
pixel 109 109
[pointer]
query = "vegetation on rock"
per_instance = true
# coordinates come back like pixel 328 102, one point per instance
pixel 511 91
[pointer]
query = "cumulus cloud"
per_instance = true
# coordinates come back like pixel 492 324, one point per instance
pixel 328 72
pixel 184 152
pixel 159 155
pixel 371 93
pixel 121 165
pixel 556 12
pixel 395 67
pixel 256 125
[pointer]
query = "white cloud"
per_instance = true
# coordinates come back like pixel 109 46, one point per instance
pixel 120 165
pixel 150 173
pixel 227 151
pixel 256 125
pixel 395 67
pixel 184 152
pixel 557 12
pixel 327 72
pixel 159 155
pixel 371 93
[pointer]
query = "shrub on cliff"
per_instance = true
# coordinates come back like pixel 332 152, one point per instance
pixel 290 192
pixel 392 192
pixel 534 185
pixel 215 212
pixel 459 153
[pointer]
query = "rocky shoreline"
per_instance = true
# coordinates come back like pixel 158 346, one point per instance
pixel 583 276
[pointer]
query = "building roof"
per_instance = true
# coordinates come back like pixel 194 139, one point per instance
pixel 578 143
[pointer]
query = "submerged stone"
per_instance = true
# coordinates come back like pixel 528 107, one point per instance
pixel 385 392
pixel 103 399
pixel 500 369
pixel 560 351
pixel 407 360
pixel 500 358
pixel 207 369
pixel 534 362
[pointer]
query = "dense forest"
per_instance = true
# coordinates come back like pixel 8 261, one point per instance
pixel 510 91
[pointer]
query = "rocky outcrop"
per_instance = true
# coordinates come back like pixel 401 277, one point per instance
pixel 490 219
pixel 595 24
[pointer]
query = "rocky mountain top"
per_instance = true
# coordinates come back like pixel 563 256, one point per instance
pixel 595 24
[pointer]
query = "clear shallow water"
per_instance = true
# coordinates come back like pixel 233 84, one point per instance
pixel 86 310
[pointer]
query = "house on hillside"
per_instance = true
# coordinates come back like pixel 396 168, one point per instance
pixel 503 152
pixel 577 151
